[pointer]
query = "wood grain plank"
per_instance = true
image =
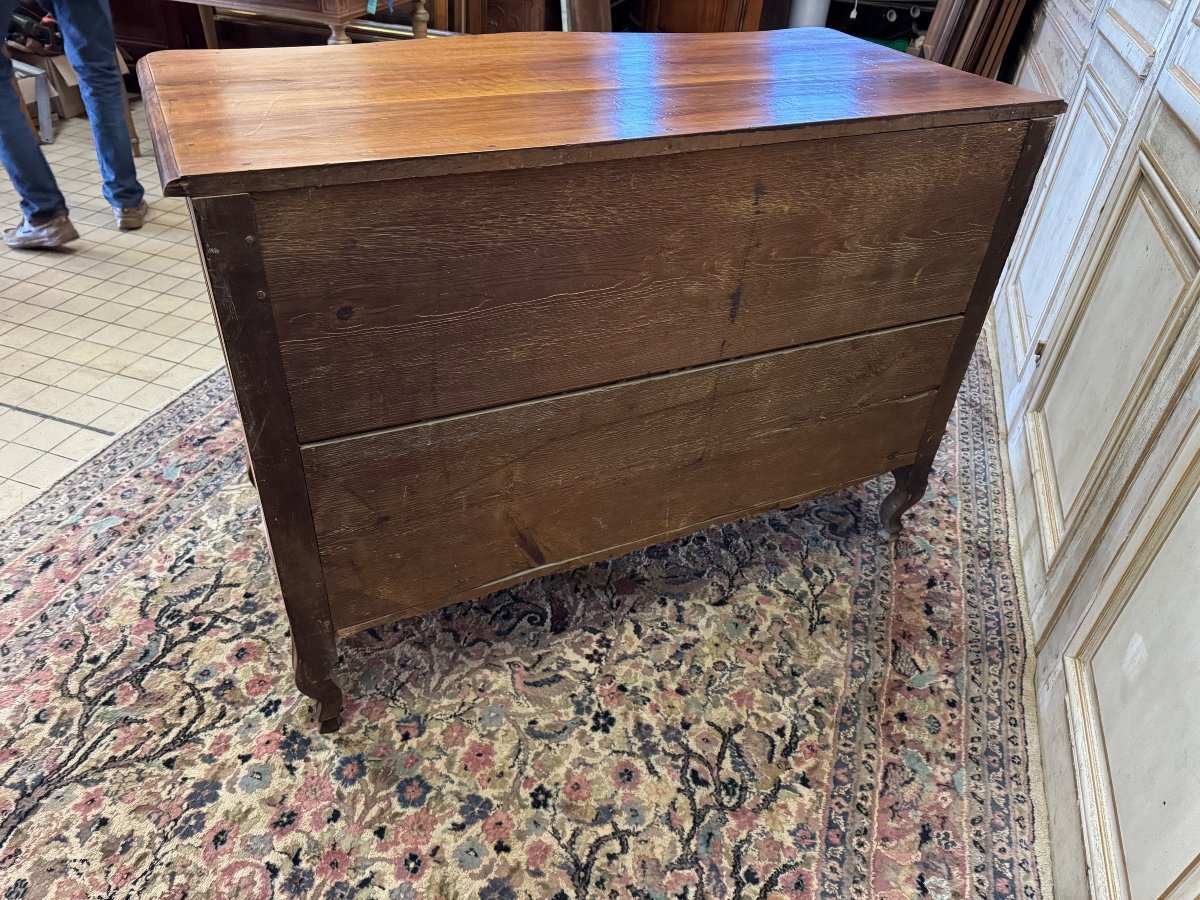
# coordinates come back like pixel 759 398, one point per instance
pixel 540 484
pixel 506 287
pixel 230 247
pixel 238 120
pixel 611 552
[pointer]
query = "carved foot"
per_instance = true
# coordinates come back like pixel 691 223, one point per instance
pixel 908 491
pixel 329 723
pixel 329 701
pixel 316 681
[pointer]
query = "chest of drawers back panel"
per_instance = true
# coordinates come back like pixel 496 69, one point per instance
pixel 510 285
pixel 545 485
pixel 576 294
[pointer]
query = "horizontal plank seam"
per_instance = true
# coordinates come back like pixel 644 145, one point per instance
pixel 337 534
pixel 641 379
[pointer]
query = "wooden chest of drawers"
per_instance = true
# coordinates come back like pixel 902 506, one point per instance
pixel 563 296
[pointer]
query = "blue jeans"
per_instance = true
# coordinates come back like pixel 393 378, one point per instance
pixel 91 48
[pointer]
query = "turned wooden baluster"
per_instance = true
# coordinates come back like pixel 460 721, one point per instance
pixel 420 20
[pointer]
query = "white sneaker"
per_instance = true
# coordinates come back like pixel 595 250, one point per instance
pixel 52 235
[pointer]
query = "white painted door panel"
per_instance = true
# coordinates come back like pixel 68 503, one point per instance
pixel 1126 320
pixel 1144 673
pixel 1122 60
pixel 1099 330
pixel 1090 131
pixel 1133 694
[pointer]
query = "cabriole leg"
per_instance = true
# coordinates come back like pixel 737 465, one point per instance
pixel 910 487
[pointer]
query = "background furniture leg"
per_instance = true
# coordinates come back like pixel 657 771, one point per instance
pixel 135 141
pixel 586 15
pixel 41 93
pixel 439 15
pixel 208 22
pixel 41 86
pixel 338 35
pixel 420 20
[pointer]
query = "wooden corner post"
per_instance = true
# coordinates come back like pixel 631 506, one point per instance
pixel 911 481
pixel 229 245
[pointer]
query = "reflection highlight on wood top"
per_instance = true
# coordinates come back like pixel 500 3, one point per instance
pixel 219 115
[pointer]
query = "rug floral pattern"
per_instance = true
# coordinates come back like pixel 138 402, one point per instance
pixel 786 707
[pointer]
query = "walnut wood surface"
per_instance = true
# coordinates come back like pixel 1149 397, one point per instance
pixel 411 518
pixel 485 289
pixel 229 245
pixel 237 120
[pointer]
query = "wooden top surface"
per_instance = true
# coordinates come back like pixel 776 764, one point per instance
pixel 228 121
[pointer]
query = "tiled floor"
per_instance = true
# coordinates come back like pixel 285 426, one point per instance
pixel 94 339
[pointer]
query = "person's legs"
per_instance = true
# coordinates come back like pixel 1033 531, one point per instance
pixel 91 48
pixel 41 200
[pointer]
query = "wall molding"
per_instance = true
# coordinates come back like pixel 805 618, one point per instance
pixel 1107 120
pixel 1057 524
pixel 1134 49
pixel 1182 95
pixel 1103 844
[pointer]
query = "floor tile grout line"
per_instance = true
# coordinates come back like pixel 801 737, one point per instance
pixel 126 310
pixel 51 418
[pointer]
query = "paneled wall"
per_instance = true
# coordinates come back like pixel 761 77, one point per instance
pixel 1061 33
pixel 1098 325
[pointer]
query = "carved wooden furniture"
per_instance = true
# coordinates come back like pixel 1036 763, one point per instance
pixel 568 295
pixel 143 26
pixel 336 14
pixel 495 16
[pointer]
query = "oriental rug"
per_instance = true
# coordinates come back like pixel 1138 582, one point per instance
pixel 786 707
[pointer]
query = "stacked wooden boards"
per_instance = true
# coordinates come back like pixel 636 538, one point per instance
pixel 574 294
pixel 972 35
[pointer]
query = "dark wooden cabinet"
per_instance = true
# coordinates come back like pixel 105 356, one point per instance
pixel 143 26
pixel 493 16
pixel 714 15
